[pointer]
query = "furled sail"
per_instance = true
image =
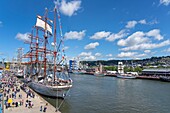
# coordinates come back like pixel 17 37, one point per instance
pixel 41 23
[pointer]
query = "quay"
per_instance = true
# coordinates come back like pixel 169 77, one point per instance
pixel 148 77
pixel 158 78
pixel 18 99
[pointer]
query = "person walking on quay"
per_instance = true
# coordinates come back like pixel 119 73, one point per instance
pixel 27 95
pixel 26 103
pixel 40 108
pixel 45 108
pixel 33 95
pixel 6 104
pixel 16 104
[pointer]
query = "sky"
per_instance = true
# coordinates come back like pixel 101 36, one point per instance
pixel 93 29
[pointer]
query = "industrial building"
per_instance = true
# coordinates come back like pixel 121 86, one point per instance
pixel 156 72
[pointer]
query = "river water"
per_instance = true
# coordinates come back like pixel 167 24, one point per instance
pixel 91 94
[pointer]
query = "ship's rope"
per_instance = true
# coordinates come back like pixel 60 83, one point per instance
pixel 61 52
pixel 59 19
pixel 63 99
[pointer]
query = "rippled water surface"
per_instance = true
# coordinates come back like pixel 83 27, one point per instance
pixel 91 94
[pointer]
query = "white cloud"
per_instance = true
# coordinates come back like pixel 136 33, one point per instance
pixel 134 39
pixel 144 46
pixel 153 22
pixel 119 35
pixel 90 58
pixel 126 54
pixel 109 55
pixel 133 55
pixel 142 21
pixel 141 41
pixel 167 50
pixel 155 33
pixel 75 35
pixel 98 54
pixel 85 54
pixel 131 24
pixel 23 37
pixel 111 58
pixel 100 35
pixel 147 51
pixel 66 47
pixel 148 23
pixel 140 55
pixel 91 45
pixel 165 2
pixel 69 8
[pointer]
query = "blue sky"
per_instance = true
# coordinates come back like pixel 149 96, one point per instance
pixel 93 29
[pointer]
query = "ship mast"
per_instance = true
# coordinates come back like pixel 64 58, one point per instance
pixel 19 57
pixel 55 49
pixel 45 43
pixel 36 54
pixel 31 52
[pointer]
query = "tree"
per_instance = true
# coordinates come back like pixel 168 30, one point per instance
pixel 138 69
pixel 110 68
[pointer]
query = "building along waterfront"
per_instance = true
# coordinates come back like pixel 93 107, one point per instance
pixel 156 72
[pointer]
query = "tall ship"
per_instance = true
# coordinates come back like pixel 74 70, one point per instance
pixel 19 68
pixel 121 73
pixel 48 71
pixel 99 71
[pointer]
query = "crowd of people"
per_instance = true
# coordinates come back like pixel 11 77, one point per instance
pixel 13 96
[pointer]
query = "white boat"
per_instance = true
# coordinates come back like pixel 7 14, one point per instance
pixel 99 74
pixel 125 76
